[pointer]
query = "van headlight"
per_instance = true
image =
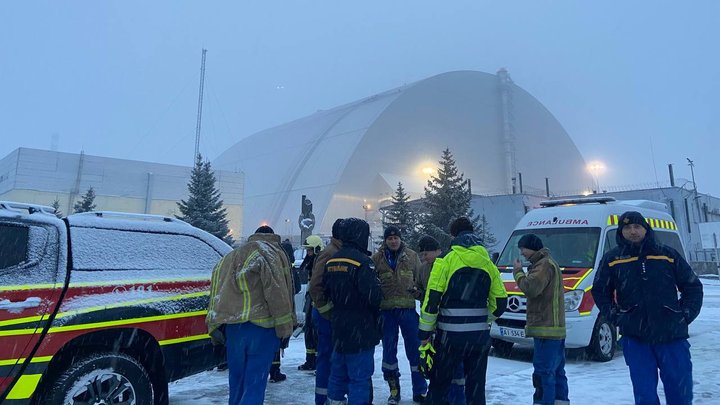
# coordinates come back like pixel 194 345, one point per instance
pixel 573 299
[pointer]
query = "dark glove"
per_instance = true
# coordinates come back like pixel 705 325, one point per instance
pixel 284 343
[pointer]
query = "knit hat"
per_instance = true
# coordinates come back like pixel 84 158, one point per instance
pixel 392 230
pixel 530 241
pixel 632 217
pixel 336 228
pixel 427 244
pixel 264 229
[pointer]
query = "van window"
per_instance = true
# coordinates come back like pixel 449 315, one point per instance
pixel 570 247
pixel 14 240
pixel 670 239
pixel 112 249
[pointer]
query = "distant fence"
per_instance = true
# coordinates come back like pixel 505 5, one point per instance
pixel 704 267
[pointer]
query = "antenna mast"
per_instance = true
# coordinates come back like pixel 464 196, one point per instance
pixel 200 103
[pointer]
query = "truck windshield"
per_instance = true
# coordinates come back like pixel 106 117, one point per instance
pixel 570 247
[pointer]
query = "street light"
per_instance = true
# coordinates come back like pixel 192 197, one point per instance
pixel 595 168
pixel 366 207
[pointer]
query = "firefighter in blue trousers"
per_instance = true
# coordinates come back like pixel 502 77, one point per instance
pixel 636 287
pixel 351 285
pixel 251 312
pixel 397 267
pixel 321 313
pixel 463 295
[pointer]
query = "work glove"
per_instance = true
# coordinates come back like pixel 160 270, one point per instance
pixel 427 352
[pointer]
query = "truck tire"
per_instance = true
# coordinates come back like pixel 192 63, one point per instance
pixel 501 348
pixel 603 341
pixel 101 378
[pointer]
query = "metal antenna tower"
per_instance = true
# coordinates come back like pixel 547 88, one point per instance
pixel 200 103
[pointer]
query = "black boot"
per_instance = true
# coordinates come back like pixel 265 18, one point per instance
pixel 419 398
pixel 310 363
pixel 275 374
pixel 394 384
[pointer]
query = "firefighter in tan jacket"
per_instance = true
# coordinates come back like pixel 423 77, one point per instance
pixel 251 312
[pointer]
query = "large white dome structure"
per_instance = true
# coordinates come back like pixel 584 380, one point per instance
pixel 349 159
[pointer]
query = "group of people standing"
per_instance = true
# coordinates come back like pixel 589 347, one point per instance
pixel 359 298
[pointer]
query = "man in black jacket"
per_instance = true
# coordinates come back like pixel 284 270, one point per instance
pixel 637 288
pixel 352 287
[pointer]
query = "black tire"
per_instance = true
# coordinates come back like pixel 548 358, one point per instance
pixel 603 341
pixel 501 348
pixel 111 375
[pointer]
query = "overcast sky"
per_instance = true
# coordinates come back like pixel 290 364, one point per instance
pixel 635 84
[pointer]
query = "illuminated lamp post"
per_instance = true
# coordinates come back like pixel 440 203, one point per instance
pixel 596 168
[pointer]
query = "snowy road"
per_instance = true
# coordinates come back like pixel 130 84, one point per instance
pixel 508 380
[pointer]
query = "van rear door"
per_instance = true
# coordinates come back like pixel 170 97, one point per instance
pixel 32 275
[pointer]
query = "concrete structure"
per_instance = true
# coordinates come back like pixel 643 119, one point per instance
pixel 348 160
pixel 40 177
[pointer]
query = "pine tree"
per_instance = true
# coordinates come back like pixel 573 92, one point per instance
pixel 87 203
pixel 56 206
pixel 447 196
pixel 401 215
pixel 483 231
pixel 204 208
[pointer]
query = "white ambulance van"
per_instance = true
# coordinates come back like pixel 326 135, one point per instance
pixel 578 233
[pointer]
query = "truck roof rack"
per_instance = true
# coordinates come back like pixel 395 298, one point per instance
pixel 30 208
pixel 129 215
pixel 576 201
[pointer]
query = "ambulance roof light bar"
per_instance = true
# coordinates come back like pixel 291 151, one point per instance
pixel 575 201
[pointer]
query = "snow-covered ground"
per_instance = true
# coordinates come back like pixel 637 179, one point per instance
pixel 508 380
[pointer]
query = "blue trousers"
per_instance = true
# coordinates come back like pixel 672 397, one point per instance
pixel 250 351
pixel 408 321
pixel 671 359
pixel 549 377
pixel 324 351
pixel 351 375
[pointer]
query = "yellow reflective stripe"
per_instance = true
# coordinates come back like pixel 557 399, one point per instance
pixel 100 308
pixel 344 260
pixel 97 284
pixel 514 293
pixel 620 261
pixel 183 339
pixel 325 308
pixel 669 259
pixel 40 359
pixel 264 322
pixel 585 313
pixel 25 386
pixel 284 319
pixel 84 326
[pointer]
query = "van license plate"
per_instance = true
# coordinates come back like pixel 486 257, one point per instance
pixel 512 332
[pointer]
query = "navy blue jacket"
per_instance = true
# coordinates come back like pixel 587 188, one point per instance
pixel 351 285
pixel 636 287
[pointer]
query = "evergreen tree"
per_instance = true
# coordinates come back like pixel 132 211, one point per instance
pixel 204 208
pixel 87 203
pixel 483 231
pixel 401 215
pixel 447 196
pixel 56 206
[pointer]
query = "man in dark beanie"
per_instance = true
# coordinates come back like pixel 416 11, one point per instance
pixel 463 295
pixel 543 287
pixel 636 287
pixel 352 287
pixel 397 267
pixel 321 313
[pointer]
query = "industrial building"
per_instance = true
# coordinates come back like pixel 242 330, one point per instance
pixel 41 177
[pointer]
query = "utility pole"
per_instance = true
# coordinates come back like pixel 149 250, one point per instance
pixel 692 172
pixel 200 103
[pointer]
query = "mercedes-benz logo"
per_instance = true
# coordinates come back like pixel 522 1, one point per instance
pixel 514 304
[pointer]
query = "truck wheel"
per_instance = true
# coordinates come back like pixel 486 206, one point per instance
pixel 102 378
pixel 501 348
pixel 604 338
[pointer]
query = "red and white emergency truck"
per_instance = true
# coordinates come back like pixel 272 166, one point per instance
pixel 101 307
pixel 578 233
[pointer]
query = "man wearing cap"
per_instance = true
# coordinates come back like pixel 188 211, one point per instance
pixel 397 267
pixel 351 285
pixel 251 312
pixel 429 250
pixel 543 287
pixel 636 287
pixel 322 310
pixel 464 293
